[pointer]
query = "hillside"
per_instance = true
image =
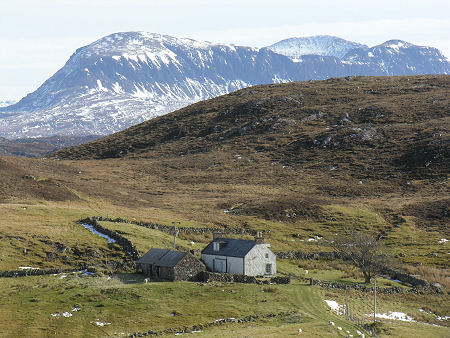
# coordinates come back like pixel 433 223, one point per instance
pixel 381 125
pixel 347 138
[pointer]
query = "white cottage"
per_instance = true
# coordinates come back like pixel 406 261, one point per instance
pixel 238 256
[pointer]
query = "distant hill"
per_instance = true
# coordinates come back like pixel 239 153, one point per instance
pixel 127 78
pixel 32 147
pixel 373 126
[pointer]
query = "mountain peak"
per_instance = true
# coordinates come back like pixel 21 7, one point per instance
pixel 396 44
pixel 323 45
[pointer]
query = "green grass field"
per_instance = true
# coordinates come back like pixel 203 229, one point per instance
pixel 129 305
pixel 27 304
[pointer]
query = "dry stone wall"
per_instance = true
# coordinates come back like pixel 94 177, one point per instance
pixel 217 322
pixel 359 287
pixel 187 230
pixel 39 272
pixel 206 276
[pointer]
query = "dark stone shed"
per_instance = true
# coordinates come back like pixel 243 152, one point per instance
pixel 164 264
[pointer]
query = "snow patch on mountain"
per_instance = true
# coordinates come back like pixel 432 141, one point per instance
pixel 323 45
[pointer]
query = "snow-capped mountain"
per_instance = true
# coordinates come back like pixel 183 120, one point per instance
pixel 126 78
pixel 6 103
pixel 396 57
pixel 323 45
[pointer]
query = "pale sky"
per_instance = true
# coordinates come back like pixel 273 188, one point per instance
pixel 38 36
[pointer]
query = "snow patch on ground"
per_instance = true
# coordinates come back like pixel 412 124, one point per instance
pixel 27 268
pixel 335 306
pixel 99 323
pixel 394 315
pixel 66 314
pixel 442 318
pixel 437 317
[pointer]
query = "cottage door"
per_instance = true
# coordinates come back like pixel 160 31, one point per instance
pixel 219 265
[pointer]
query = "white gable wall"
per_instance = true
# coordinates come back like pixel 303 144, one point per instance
pixel 255 261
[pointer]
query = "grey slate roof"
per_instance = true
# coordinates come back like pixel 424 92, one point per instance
pixel 233 247
pixel 162 257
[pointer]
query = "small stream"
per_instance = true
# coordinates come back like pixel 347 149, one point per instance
pixel 91 229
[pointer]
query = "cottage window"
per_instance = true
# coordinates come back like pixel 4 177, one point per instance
pixel 268 269
pixel 267 255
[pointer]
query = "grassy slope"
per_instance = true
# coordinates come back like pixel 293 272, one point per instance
pixel 26 306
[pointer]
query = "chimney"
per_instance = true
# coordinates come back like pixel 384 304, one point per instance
pixel 259 239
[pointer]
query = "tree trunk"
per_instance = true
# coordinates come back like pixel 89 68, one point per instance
pixel 366 277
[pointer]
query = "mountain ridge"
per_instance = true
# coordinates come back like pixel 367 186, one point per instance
pixel 126 78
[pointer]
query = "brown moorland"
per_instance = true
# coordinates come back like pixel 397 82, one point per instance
pixel 375 138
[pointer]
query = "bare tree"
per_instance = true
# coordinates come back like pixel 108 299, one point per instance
pixel 364 250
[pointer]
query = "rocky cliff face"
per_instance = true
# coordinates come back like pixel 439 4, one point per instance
pixel 127 78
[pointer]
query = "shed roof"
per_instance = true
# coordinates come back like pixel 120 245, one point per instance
pixel 232 247
pixel 162 257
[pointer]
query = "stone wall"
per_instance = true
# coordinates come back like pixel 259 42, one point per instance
pixel 188 268
pixel 38 272
pixel 366 288
pixel 307 255
pixel 281 280
pixel 187 230
pixel 217 322
pixel 406 278
pixel 359 287
pixel 206 276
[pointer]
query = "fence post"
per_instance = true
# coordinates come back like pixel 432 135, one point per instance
pixel 346 301
pixel 375 300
